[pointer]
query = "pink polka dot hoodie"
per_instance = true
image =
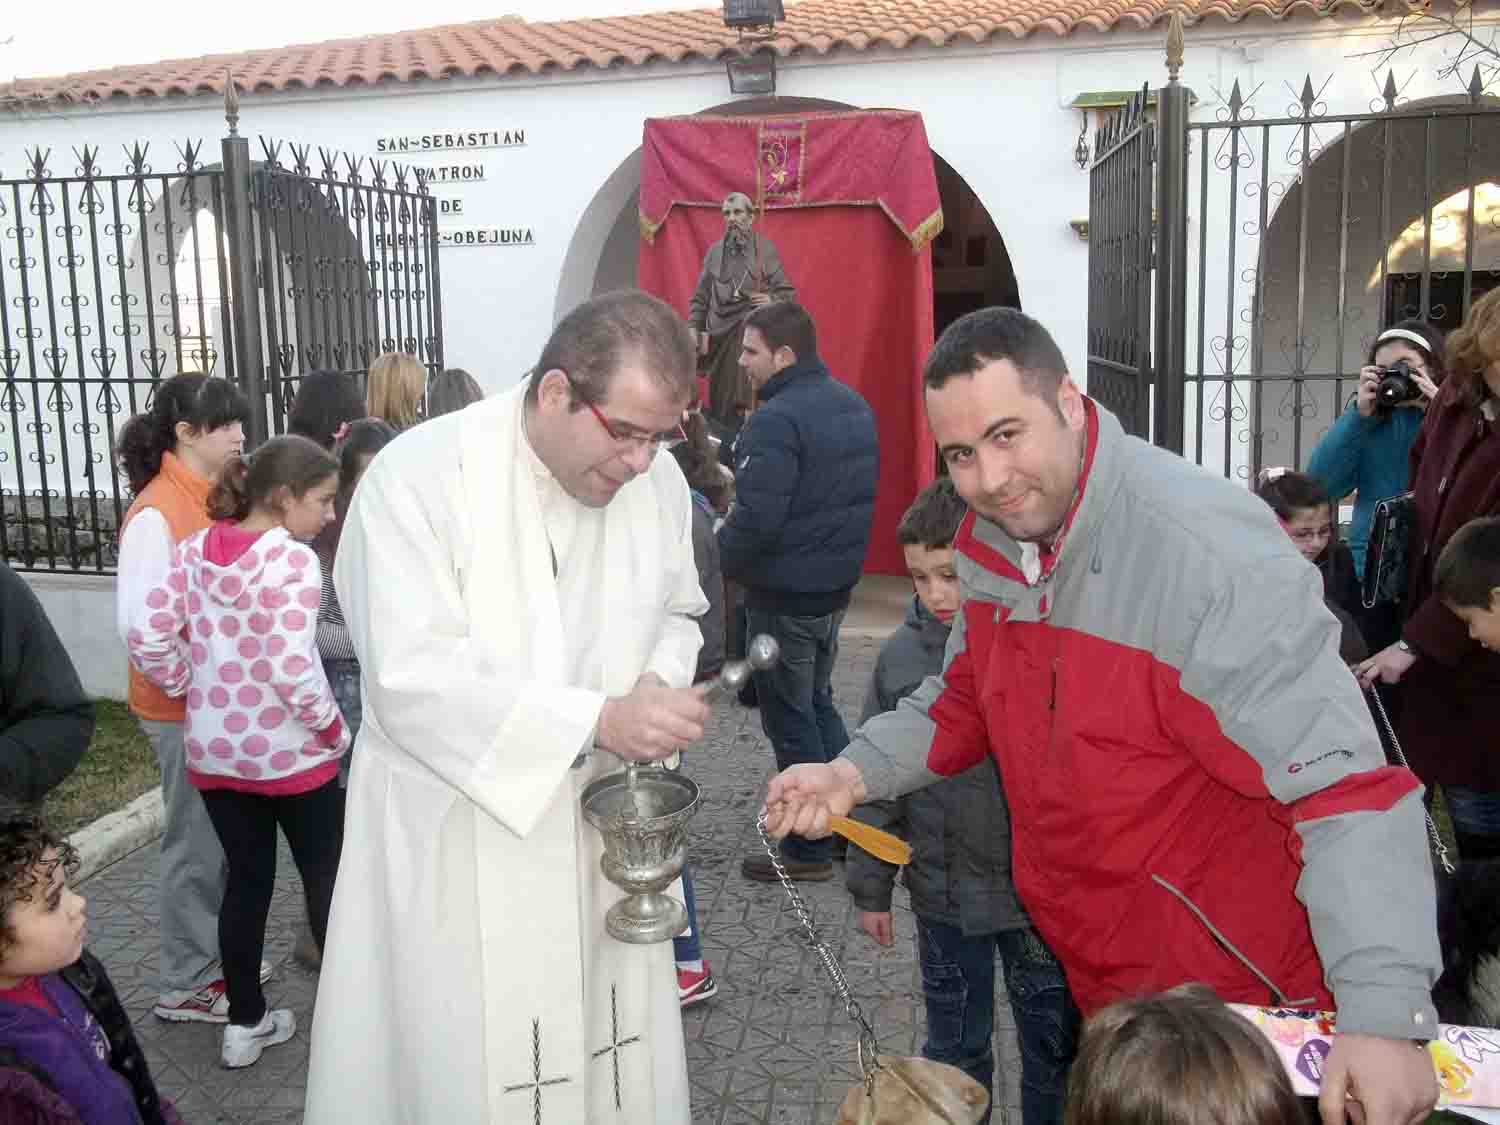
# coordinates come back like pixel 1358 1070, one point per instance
pixel 234 627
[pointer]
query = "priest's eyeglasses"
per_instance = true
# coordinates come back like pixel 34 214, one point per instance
pixel 673 437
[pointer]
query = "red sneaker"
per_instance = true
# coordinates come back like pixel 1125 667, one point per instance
pixel 208 1005
pixel 694 988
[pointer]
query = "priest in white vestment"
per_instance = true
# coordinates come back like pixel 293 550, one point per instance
pixel 519 583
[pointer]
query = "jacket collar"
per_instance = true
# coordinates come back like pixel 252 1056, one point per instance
pixel 192 486
pixel 932 632
pixel 779 382
pixel 1098 481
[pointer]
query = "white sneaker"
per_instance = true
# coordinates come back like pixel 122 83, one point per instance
pixel 243 1045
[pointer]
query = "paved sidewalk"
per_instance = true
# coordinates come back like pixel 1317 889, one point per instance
pixel 773 1048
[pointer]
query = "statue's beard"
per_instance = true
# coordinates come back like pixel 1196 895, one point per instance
pixel 736 237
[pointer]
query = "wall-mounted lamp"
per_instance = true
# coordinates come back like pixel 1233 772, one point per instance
pixel 755 20
pixel 1101 102
pixel 1081 149
pixel 746 15
pixel 752 74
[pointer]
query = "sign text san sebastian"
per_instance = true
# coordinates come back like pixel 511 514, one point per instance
pixel 448 142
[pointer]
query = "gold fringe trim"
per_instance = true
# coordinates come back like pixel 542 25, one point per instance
pixel 648 228
pixel 928 229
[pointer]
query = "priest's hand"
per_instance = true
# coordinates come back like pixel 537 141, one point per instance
pixel 653 722
pixel 760 299
pixel 800 799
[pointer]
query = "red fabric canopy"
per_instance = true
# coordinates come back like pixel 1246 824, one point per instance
pixel 851 202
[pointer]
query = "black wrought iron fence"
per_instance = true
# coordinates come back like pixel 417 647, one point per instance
pixel 1136 257
pixel 112 280
pixel 1121 203
pixel 1279 248
pixel 349 265
pixel 1315 230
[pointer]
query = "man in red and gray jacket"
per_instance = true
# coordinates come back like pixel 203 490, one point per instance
pixel 1197 792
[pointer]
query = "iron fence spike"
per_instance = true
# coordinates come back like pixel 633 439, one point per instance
pixel 231 103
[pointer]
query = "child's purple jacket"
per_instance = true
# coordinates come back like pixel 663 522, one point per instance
pixel 71 1053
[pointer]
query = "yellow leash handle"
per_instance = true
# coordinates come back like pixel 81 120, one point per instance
pixel 881 845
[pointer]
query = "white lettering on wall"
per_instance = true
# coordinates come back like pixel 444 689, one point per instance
pixel 487 236
pixel 446 142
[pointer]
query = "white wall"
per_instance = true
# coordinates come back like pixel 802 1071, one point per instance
pixel 997 113
pixel 82 610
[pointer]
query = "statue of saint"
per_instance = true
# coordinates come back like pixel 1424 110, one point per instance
pixel 741 271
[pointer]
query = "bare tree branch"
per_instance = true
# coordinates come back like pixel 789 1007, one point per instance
pixel 1421 24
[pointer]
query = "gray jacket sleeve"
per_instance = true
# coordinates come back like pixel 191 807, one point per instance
pixel 1262 655
pixel 871 880
pixel 892 751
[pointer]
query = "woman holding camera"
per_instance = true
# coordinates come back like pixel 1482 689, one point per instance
pixel 1450 683
pixel 1366 450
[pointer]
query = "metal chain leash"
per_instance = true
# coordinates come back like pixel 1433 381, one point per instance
pixel 866 1046
pixel 1439 849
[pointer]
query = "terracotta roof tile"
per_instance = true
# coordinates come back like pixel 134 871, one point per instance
pixel 514 46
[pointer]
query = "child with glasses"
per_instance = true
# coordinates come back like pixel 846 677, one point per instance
pixel 1305 511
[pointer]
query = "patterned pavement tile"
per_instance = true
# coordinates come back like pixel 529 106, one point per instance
pixel 773 1048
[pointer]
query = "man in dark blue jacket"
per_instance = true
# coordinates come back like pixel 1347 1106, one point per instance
pixel 807 465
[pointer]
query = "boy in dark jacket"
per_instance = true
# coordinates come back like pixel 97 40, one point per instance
pixel 67 1051
pixel 959 878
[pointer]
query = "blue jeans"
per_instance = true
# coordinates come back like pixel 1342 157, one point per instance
pixel 686 947
pixel 1475 814
pixel 958 982
pixel 796 702
pixel 343 678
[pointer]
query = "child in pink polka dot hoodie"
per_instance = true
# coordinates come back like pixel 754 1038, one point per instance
pixel 234 628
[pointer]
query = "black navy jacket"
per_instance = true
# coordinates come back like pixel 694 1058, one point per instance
pixel 807 465
pixel 46 720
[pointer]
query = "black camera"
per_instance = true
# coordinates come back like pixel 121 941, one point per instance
pixel 1396 386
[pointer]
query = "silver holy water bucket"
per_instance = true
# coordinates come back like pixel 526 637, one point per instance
pixel 644 828
pixel 643 812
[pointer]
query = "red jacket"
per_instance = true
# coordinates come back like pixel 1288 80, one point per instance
pixel 1187 760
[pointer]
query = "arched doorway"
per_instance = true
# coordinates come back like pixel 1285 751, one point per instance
pixel 970 266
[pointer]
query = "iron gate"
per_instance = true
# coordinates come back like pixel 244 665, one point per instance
pixel 1121 205
pixel 111 281
pixel 1279 248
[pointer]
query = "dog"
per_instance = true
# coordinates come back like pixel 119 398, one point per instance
pixel 1468 992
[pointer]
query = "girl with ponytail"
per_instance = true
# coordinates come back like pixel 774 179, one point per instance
pixel 234 628
pixel 170 454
